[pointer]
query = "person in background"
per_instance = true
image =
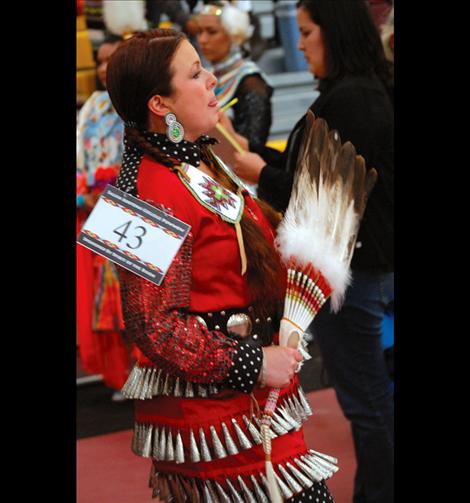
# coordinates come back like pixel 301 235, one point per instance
pixel 205 334
pixel 343 49
pixel 223 29
pixel 178 11
pixel 99 316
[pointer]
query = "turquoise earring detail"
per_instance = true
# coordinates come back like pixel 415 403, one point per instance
pixel 174 131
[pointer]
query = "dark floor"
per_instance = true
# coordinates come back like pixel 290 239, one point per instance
pixel 97 414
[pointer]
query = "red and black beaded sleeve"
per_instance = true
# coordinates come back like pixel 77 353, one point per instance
pixel 157 321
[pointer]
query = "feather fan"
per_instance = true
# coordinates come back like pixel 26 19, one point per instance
pixel 328 200
pixel 316 239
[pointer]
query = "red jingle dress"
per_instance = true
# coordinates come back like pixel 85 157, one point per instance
pixel 195 382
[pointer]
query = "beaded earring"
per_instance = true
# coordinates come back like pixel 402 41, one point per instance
pixel 174 131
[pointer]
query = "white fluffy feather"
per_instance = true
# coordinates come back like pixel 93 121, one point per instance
pixel 124 17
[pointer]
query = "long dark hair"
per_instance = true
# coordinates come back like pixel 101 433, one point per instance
pixel 141 68
pixel 352 41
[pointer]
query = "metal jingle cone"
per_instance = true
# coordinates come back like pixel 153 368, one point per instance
pixel 307 471
pixel 147 443
pixel 299 409
pixel 327 469
pixel 303 480
pixel 130 382
pixel 295 424
pixel 280 420
pixel 195 492
pixel 331 459
pixel 279 430
pixel 260 494
pixel 287 407
pixel 177 391
pixel 293 484
pixel 145 384
pixel 316 470
pixel 286 492
pixel 253 431
pixel 185 484
pixel 242 438
pixel 213 390
pixel 152 380
pixel 165 491
pixel 234 492
pixel 295 413
pixel 217 445
pixel 176 492
pixel 229 442
pixel 179 449
pixel 264 480
pixel 303 400
pixel 170 451
pixel 135 438
pixel 189 391
pixel 157 384
pixel 322 464
pixel 212 492
pixel 222 494
pixel 140 383
pixel 201 391
pixel 206 455
pixel 140 438
pixel 162 445
pixel 193 449
pixel 207 494
pixel 246 491
pixel 166 385
pixel 135 381
pixel 306 355
pixel 156 443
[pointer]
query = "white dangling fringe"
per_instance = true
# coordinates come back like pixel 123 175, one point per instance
pixel 273 488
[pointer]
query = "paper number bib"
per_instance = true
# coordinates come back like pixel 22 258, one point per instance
pixel 133 234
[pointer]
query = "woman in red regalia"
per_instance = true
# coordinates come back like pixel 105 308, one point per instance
pixel 205 336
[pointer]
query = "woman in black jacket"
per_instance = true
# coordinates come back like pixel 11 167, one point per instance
pixel 343 50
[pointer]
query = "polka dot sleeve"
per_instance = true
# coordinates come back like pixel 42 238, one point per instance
pixel 247 362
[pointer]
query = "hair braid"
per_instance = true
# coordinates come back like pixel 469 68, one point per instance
pixel 136 138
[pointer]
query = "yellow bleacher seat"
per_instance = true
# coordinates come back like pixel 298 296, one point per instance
pixel 81 23
pixel 86 83
pixel 86 66
pixel 84 51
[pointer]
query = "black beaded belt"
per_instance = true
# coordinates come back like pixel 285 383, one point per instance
pixel 241 324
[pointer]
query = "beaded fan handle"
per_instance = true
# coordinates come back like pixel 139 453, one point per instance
pixel 307 290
